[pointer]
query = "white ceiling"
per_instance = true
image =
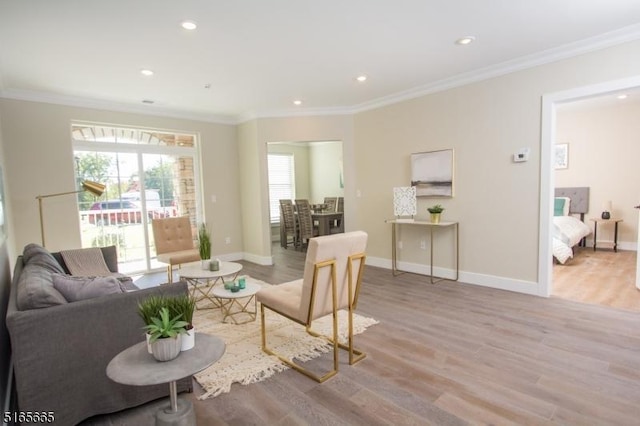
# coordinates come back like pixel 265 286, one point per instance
pixel 260 55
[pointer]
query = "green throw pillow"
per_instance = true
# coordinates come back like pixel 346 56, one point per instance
pixel 558 207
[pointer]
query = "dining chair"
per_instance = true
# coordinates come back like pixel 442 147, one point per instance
pixel 174 242
pixel 331 281
pixel 306 229
pixel 288 226
pixel 332 203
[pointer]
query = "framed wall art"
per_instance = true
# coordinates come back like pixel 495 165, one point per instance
pixel 561 156
pixel 432 173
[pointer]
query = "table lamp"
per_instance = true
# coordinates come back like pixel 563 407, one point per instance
pixel 606 210
pixel 404 203
pixel 93 187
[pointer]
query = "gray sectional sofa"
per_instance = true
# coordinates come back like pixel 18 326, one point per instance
pixel 60 350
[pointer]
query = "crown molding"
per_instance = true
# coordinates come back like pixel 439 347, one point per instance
pixel 33 96
pixel 285 113
pixel 610 39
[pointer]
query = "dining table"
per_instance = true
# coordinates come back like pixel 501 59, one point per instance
pixel 328 220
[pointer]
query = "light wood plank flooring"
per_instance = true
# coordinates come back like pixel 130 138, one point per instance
pixel 603 277
pixel 449 354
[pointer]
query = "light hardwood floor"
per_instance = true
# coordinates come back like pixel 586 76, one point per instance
pixel 449 354
pixel 603 277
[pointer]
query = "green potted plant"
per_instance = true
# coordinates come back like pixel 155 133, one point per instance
pixel 435 212
pixel 165 335
pixel 204 245
pixel 185 306
pixel 149 308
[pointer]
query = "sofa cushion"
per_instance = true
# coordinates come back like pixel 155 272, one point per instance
pixel 80 288
pixel 33 254
pixel 35 286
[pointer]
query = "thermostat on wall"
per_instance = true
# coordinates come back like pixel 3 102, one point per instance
pixel 522 155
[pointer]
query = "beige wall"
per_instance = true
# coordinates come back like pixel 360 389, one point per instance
pixel 37 141
pixel 496 200
pixel 604 148
pixel 325 171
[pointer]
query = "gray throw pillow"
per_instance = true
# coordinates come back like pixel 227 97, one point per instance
pixel 35 288
pixel 81 288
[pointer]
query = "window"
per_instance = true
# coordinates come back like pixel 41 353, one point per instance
pixel 148 174
pixel 281 182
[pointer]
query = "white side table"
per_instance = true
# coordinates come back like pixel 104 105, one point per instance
pixel 202 281
pixel 233 307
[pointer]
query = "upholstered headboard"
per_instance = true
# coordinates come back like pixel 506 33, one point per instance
pixel 579 199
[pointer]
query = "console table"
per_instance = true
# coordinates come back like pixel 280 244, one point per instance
pixel 431 226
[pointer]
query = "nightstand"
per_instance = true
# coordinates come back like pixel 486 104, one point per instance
pixel 597 221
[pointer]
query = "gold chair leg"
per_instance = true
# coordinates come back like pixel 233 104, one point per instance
pixel 290 363
pixel 170 274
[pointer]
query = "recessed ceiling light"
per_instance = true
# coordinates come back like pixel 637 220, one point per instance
pixel 147 101
pixel 189 25
pixel 361 78
pixel 623 96
pixel 146 72
pixel 297 102
pixel 465 40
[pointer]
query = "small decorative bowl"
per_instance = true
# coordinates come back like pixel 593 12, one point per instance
pixel 235 288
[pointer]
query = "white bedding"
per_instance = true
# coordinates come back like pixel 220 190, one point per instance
pixel 567 232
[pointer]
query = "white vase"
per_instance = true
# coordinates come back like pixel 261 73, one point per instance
pixel 205 264
pixel 188 340
pixel 166 349
pixel 148 336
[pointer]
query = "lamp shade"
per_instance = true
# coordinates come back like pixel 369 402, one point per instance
pixel 93 187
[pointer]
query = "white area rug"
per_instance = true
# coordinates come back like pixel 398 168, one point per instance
pixel 245 363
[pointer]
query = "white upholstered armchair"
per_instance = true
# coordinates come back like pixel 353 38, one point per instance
pixel 332 278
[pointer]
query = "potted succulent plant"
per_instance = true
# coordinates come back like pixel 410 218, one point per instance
pixel 149 308
pixel 204 245
pixel 165 335
pixel 185 306
pixel 435 212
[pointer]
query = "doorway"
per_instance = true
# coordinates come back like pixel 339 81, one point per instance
pixel 550 103
pixel 317 173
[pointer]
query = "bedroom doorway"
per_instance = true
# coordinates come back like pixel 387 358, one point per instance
pixel 552 103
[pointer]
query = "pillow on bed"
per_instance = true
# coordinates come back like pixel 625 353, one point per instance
pixel 561 206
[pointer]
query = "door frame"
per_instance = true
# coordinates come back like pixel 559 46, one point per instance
pixel 547 172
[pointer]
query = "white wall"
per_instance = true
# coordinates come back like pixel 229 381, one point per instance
pixel 604 148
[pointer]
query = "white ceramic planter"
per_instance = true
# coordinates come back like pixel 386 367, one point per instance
pixel 205 264
pixel 166 349
pixel 188 340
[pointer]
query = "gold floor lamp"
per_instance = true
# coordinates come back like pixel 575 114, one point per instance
pixel 93 187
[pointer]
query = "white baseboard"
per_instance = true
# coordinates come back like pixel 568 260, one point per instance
pixel 502 283
pixel 622 245
pixel 260 260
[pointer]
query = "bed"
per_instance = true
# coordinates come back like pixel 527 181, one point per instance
pixel 568 230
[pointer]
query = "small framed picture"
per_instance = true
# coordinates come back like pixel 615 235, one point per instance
pixel 561 156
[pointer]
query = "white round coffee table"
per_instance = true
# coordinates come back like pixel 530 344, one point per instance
pixel 232 305
pixel 202 281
